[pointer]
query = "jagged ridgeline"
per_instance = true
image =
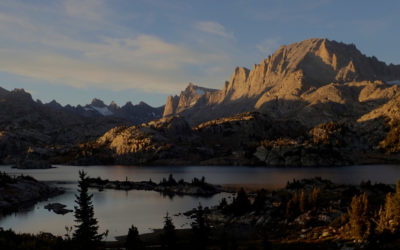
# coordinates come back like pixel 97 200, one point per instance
pixel 313 81
pixel 312 103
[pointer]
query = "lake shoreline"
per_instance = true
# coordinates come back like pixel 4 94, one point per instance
pixel 147 208
pixel 22 192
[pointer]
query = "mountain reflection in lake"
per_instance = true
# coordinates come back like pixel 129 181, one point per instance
pixel 117 210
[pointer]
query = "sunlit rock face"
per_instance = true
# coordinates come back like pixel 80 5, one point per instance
pixel 316 80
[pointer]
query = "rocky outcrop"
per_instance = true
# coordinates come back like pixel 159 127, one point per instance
pixel 244 139
pixel 58 208
pixel 171 105
pixel 165 139
pixel 191 97
pixel 329 144
pixel 22 191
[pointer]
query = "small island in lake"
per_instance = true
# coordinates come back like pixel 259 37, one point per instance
pixel 197 187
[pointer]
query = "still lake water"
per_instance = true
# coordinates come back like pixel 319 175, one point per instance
pixel 117 210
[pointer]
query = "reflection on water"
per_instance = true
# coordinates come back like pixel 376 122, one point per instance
pixel 118 210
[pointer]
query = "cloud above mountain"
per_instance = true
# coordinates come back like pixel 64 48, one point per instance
pixel 157 47
pixel 121 59
pixel 213 28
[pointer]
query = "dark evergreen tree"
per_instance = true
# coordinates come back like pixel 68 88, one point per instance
pixel 133 241
pixel 168 237
pixel 223 204
pixel 200 228
pixel 259 201
pixel 86 234
pixel 266 243
pixel 241 204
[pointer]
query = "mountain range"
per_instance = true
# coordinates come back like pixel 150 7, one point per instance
pixel 313 81
pixel 137 114
pixel 312 103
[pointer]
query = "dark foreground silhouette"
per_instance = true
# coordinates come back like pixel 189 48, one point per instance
pixel 306 214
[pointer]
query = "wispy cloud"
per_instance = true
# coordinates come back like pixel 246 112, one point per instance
pixel 86 9
pixel 269 45
pixel 61 55
pixel 213 28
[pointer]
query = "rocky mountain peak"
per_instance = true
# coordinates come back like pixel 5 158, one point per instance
pixel 97 103
pixel 21 94
pixel 54 104
pixel 171 105
pixel 113 107
pixel 142 104
pixel 299 75
pixel 322 61
pixel 128 104
pixel 190 97
pixel 113 104
pixel 3 92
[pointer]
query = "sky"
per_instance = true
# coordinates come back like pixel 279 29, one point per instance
pixel 144 50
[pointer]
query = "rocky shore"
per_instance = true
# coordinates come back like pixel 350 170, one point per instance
pixel 58 208
pixel 23 191
pixel 307 211
pixel 198 187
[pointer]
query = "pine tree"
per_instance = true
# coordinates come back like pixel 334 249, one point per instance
pixel 314 198
pixel 359 219
pixel 395 213
pixel 259 201
pixel 385 216
pixel 200 228
pixel 292 206
pixel 168 236
pixel 241 204
pixel 302 201
pixel 389 216
pixel 133 241
pixel 86 234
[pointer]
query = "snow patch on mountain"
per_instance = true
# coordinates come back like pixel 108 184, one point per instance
pixel 104 111
pixel 397 82
pixel 200 92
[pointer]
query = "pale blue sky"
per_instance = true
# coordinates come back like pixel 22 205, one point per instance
pixel 133 50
